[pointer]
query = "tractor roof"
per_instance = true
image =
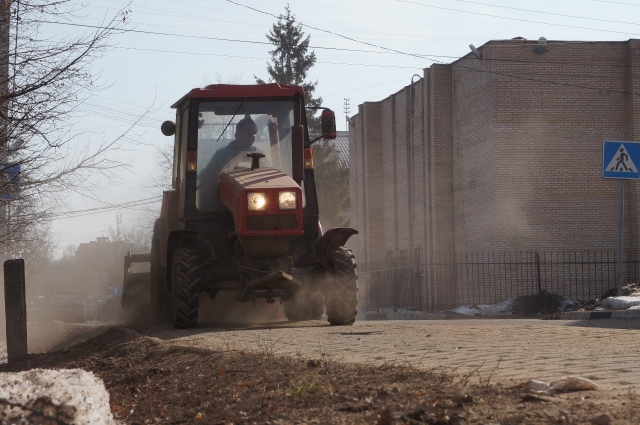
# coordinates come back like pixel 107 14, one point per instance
pixel 225 91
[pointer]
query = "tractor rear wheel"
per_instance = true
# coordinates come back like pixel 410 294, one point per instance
pixel 305 305
pixel 341 287
pixel 185 288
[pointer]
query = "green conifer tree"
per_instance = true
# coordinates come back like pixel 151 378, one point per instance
pixel 291 61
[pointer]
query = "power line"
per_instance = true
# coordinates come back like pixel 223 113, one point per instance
pixel 183 15
pixel 143 116
pixel 110 207
pixel 264 58
pixel 414 38
pixel 547 13
pixel 357 30
pixel 386 50
pixel 120 101
pixel 389 50
pixel 108 204
pixel 331 32
pixel 617 2
pixel 536 62
pixel 202 37
pixel 513 19
pixel 191 4
pixel 453 64
pixel 113 117
pixel 363 88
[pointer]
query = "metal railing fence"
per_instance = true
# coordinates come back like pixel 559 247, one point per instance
pixel 448 280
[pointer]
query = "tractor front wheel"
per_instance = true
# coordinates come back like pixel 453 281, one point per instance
pixel 185 288
pixel 341 287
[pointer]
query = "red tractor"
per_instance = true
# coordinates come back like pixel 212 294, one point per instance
pixel 243 214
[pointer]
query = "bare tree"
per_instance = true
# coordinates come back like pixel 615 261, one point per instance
pixel 44 81
pixel 137 235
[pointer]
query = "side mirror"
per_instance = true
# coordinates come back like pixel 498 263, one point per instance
pixel 168 128
pixel 328 124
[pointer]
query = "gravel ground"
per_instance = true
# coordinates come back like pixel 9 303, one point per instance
pixel 150 381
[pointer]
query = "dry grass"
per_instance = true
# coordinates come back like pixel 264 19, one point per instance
pixel 152 382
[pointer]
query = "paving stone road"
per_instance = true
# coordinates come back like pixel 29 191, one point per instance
pixel 607 351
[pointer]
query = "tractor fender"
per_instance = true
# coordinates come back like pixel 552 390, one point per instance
pixel 177 239
pixel 330 241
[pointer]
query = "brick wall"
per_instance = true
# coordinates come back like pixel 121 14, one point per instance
pixel 505 155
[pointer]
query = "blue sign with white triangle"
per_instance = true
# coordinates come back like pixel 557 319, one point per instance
pixel 620 160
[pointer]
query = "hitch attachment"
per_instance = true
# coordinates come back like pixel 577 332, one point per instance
pixel 278 284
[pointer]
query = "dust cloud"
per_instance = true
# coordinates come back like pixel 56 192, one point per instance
pixel 44 334
pixel 43 337
pixel 226 310
pixel 50 335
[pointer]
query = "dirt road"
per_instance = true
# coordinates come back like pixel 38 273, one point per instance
pixel 605 351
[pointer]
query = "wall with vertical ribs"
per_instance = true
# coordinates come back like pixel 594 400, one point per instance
pixel 502 153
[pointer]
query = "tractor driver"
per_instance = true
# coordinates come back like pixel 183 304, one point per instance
pixel 226 158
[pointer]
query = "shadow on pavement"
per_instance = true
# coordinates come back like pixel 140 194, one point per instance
pixel 167 332
pixel 225 314
pixel 632 324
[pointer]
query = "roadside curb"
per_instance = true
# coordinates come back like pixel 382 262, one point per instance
pixel 596 315
pixel 397 314
pixel 407 314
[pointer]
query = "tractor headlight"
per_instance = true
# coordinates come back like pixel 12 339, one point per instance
pixel 256 201
pixel 287 201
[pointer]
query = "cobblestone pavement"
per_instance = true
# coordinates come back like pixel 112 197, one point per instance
pixel 607 351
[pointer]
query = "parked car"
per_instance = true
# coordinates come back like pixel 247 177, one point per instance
pixel 64 306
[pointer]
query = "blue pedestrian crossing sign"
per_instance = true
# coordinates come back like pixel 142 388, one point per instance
pixel 620 160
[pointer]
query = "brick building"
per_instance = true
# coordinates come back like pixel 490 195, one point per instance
pixel 501 153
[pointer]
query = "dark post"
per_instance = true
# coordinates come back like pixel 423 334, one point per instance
pixel 538 272
pixel 15 308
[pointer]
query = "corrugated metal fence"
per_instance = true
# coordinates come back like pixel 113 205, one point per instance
pixel 450 280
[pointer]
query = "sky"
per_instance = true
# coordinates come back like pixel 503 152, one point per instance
pixel 366 50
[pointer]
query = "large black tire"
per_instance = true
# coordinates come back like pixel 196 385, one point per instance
pixel 305 305
pixel 341 287
pixel 185 288
pixel 160 311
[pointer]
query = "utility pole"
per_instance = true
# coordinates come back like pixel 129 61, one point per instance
pixel 347 110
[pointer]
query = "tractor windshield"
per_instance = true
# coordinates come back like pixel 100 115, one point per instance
pixel 225 136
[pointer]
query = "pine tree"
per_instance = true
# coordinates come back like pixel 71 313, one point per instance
pixel 291 61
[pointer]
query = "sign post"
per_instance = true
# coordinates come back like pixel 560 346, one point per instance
pixel 619 161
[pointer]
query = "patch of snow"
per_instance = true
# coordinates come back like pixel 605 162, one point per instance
pixel 500 309
pixel 73 387
pixel 619 303
pixel 467 310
